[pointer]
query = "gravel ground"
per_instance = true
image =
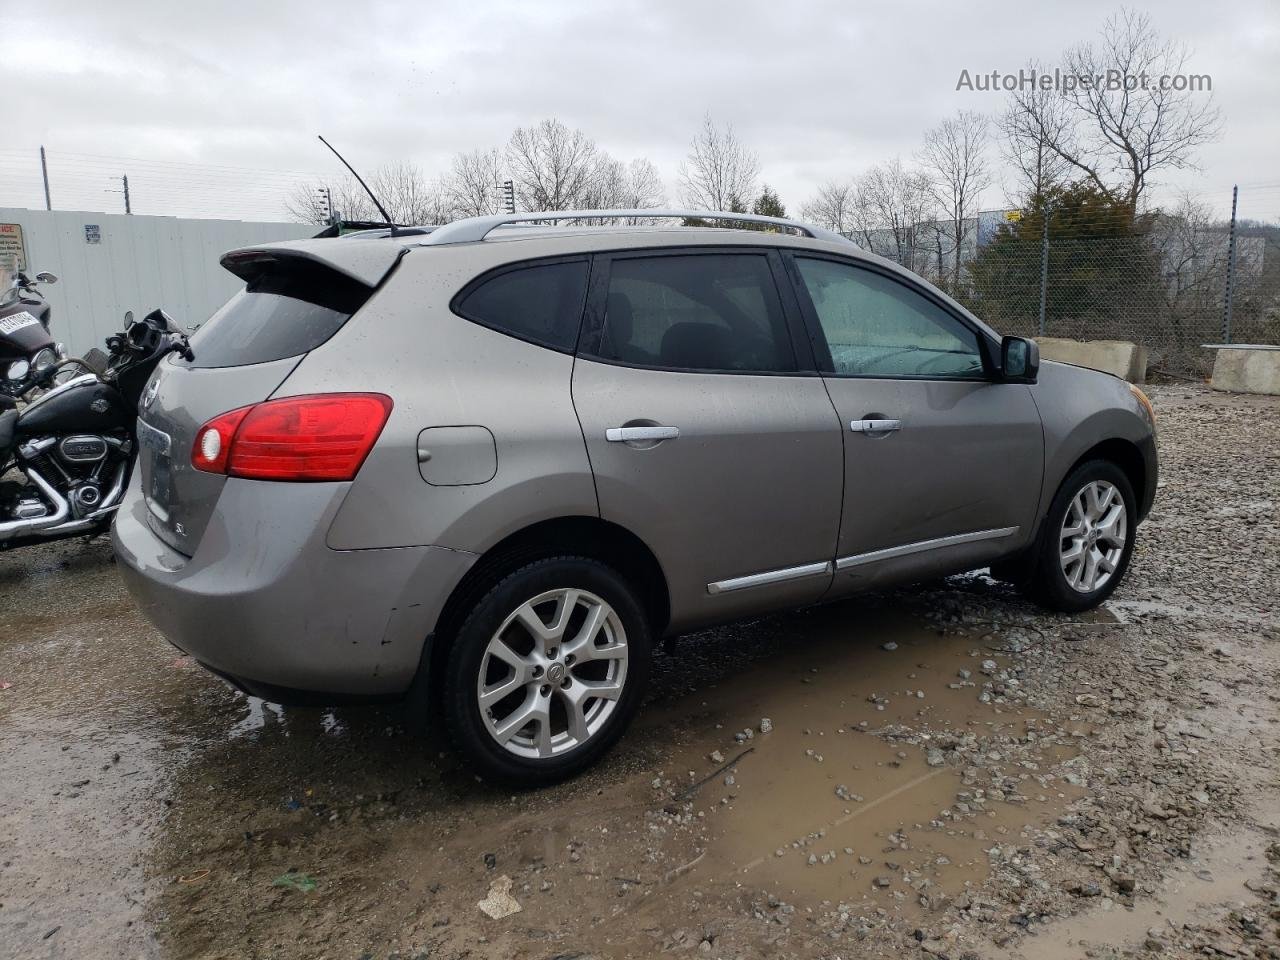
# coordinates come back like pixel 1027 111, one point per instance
pixel 944 771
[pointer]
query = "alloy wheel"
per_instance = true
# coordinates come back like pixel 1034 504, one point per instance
pixel 1093 535
pixel 552 673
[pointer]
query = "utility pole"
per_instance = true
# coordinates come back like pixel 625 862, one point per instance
pixel 1231 269
pixel 127 207
pixel 44 170
pixel 1044 265
pixel 509 196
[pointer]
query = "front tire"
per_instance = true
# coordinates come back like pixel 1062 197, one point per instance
pixel 1087 539
pixel 547 671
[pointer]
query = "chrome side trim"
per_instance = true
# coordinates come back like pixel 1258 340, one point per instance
pixel 922 546
pixel 770 576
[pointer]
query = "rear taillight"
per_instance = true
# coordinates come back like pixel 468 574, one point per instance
pixel 318 437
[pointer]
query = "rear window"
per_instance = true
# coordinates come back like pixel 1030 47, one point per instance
pixel 542 303
pixel 281 313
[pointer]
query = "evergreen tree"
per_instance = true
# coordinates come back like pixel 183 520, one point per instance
pixel 768 204
pixel 1102 268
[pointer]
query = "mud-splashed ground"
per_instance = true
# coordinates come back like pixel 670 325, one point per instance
pixel 996 782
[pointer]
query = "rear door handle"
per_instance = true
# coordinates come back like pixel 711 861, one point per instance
pixel 875 426
pixel 626 434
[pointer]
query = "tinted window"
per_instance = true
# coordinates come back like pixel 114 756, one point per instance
pixel 878 327
pixel 699 312
pixel 284 313
pixel 542 303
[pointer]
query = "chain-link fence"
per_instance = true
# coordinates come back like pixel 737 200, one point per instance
pixel 1165 284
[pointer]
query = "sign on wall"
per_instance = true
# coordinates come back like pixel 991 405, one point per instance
pixel 12 246
pixel 92 233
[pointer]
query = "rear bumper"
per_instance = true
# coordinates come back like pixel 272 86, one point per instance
pixel 266 604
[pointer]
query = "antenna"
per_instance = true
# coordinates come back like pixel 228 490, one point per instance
pixel 381 209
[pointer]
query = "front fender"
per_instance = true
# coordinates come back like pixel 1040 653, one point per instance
pixel 1081 409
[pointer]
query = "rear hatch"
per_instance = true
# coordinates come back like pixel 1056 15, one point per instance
pixel 294 300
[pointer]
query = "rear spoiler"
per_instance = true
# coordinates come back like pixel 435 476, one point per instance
pixel 365 261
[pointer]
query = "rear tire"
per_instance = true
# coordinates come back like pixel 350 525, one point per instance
pixel 1087 539
pixel 546 672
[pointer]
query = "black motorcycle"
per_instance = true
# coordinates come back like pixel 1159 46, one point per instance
pixel 29 356
pixel 66 458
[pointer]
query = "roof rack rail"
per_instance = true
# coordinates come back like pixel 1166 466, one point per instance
pixel 475 229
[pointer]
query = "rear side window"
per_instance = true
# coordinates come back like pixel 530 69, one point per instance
pixel 712 312
pixel 283 312
pixel 542 303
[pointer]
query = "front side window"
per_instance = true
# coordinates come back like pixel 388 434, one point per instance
pixel 707 312
pixel 876 326
pixel 542 303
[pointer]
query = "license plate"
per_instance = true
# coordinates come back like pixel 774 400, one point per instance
pixel 17 321
pixel 159 479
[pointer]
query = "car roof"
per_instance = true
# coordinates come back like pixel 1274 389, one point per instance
pixel 370 255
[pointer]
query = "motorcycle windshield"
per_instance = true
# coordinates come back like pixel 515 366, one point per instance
pixel 8 273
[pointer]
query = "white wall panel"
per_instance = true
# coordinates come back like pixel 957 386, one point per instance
pixel 141 263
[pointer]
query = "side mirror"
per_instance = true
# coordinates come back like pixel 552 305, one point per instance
pixel 45 277
pixel 1019 360
pixel 128 317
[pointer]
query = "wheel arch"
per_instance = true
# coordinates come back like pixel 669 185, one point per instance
pixel 583 536
pixel 1126 455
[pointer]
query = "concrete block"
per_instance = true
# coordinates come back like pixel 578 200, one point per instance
pixel 1246 368
pixel 1118 357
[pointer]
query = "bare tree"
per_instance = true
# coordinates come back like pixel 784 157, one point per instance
pixel 834 207
pixel 553 167
pixel 1034 119
pixel 403 189
pixel 720 172
pixel 1193 258
pixel 410 198
pixel 645 189
pixel 955 160
pixel 1117 135
pixel 473 185
pixel 306 203
pixel 892 210
pixel 621 186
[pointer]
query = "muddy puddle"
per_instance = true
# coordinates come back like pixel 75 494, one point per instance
pixel 851 798
pixel 1216 876
pixel 156 811
pixel 147 810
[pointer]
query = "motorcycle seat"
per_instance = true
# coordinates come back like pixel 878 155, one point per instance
pixel 8 423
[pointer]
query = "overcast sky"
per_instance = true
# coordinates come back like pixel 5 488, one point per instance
pixel 820 89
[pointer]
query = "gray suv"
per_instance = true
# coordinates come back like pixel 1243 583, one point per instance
pixel 486 466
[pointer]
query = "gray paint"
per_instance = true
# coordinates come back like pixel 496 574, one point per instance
pixel 336 586
pixel 752 484
pixel 264 598
pixel 968 456
pixel 457 456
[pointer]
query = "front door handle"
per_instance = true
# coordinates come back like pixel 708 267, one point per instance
pixel 875 426
pixel 628 434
